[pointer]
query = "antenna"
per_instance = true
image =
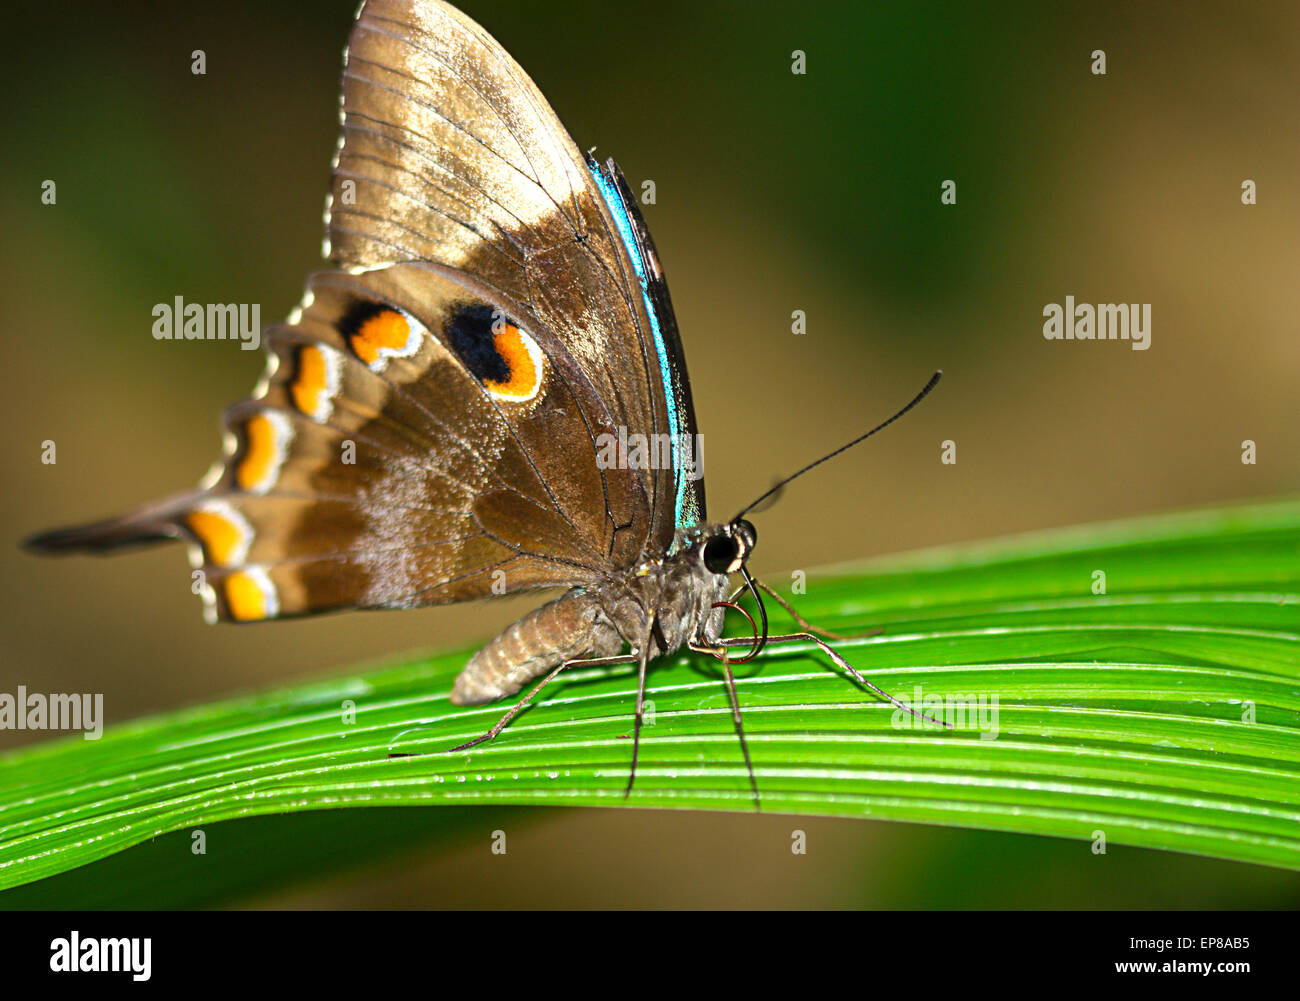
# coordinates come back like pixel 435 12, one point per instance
pixel 934 381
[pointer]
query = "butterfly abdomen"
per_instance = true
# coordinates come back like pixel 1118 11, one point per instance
pixel 568 628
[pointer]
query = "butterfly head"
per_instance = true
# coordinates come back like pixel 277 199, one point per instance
pixel 727 548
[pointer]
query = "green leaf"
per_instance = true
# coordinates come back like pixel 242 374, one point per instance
pixel 1163 713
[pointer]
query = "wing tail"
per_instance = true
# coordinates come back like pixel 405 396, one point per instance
pixel 150 525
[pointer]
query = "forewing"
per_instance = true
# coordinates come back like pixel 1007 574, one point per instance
pixel 450 153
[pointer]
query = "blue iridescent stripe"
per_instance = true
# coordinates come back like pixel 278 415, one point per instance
pixel 619 211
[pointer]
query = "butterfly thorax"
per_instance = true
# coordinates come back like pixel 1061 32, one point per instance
pixel 654 609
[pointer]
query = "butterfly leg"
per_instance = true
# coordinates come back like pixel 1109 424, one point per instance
pixel 808 626
pixel 642 659
pixel 721 654
pixel 519 706
pixel 839 660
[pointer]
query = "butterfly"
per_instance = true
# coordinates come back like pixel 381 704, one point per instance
pixel 445 416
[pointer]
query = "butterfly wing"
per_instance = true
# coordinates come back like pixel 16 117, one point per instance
pixel 431 426
pixel 450 153
pixel 686 486
pixel 397 456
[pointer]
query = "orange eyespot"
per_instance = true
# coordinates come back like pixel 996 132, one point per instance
pixel 388 330
pixel 263 453
pixel 310 383
pixel 222 537
pixel 523 359
pixel 245 597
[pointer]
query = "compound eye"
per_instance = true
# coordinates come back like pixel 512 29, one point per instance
pixel 721 554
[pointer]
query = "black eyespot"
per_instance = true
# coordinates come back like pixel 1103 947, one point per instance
pixel 720 553
pixel 471 331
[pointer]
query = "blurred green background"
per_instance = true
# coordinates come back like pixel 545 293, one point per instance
pixel 775 192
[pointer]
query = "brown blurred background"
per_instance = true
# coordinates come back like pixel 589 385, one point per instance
pixel 775 192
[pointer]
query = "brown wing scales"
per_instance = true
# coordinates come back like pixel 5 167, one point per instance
pixel 404 449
